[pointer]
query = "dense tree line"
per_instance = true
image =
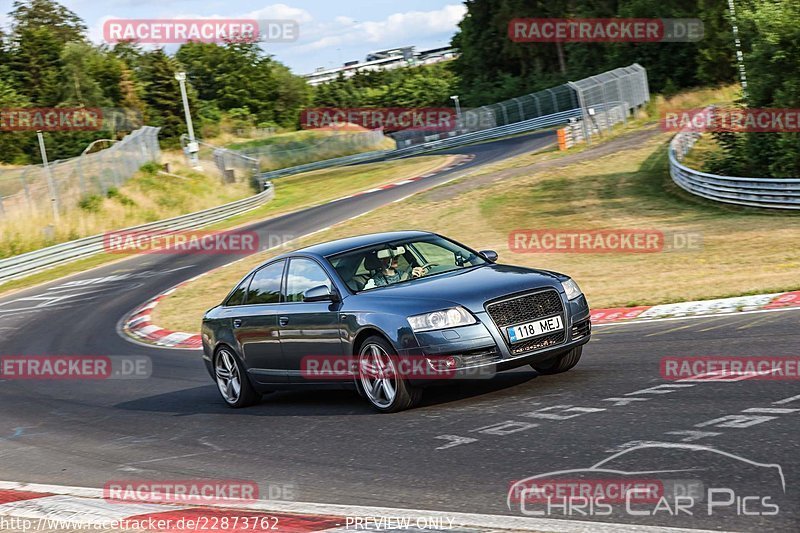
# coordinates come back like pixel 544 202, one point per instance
pixel 47 61
pixel 493 67
pixel 428 85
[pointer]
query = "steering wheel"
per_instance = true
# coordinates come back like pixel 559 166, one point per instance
pixel 426 267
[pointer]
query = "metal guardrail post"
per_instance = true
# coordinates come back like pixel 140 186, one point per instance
pixel 521 109
pixel 538 106
pixel 584 114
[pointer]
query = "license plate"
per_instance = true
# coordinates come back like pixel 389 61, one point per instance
pixel 534 329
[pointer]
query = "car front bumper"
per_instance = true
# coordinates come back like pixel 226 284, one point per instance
pixel 482 349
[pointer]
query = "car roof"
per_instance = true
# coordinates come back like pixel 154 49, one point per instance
pixel 360 241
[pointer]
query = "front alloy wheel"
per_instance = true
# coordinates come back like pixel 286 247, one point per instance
pixel 560 363
pixel 232 381
pixel 379 379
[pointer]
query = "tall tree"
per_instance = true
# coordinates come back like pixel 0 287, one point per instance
pixel 162 93
pixel 82 84
pixel 32 14
pixel 40 29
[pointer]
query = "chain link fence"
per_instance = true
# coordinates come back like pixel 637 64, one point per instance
pixel 607 98
pixel 27 191
pixel 612 94
pixel 232 166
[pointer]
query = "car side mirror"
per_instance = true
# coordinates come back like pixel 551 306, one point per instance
pixel 321 293
pixel 489 255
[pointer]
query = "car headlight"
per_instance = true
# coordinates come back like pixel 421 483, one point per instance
pixel 571 288
pixel 447 318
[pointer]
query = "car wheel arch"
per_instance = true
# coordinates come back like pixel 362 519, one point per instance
pixel 219 346
pixel 226 345
pixel 366 332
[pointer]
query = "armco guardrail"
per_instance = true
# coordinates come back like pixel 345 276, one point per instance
pixel 29 263
pixel 774 193
pixel 489 134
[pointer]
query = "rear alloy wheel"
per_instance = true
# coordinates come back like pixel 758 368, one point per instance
pixel 232 380
pixel 560 363
pixel 379 379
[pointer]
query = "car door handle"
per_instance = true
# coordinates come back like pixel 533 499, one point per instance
pixel 237 322
pixel 283 321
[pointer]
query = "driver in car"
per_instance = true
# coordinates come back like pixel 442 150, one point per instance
pixel 390 272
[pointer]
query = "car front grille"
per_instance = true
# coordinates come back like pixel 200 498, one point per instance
pixel 527 308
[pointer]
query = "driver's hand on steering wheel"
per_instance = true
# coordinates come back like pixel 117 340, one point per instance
pixel 418 272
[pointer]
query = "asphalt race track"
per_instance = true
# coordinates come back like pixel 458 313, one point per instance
pixel 460 451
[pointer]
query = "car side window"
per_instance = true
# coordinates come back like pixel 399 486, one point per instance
pixel 304 274
pixel 237 296
pixel 266 285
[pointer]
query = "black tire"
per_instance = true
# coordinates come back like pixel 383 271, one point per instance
pixel 560 363
pixel 247 395
pixel 405 397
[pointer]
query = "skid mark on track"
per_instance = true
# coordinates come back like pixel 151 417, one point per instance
pixel 672 330
pixel 758 322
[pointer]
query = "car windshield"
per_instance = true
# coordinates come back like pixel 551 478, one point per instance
pixel 401 261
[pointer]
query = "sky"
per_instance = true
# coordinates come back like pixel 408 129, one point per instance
pixel 330 31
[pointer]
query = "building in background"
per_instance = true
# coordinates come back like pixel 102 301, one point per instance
pixel 405 56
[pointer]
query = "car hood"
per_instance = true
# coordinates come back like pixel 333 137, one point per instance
pixel 470 288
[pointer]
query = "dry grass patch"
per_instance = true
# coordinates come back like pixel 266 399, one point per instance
pixel 147 197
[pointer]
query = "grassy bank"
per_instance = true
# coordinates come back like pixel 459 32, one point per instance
pixel 146 197
pixel 301 147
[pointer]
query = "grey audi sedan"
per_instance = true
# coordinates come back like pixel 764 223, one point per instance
pixel 387 314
